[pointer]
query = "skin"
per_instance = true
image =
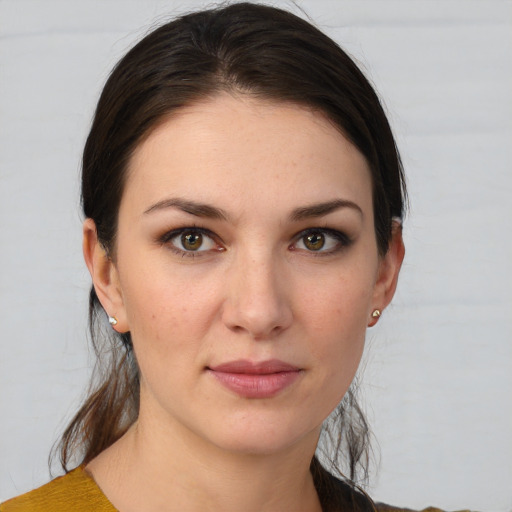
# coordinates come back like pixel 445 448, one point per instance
pixel 254 290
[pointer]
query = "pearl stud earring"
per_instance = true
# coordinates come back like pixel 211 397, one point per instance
pixel 112 320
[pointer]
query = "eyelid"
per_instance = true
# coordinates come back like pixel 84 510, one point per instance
pixel 169 236
pixel 343 240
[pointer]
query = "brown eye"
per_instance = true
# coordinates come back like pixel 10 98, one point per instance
pixel 314 241
pixel 187 241
pixel 191 241
pixel 322 241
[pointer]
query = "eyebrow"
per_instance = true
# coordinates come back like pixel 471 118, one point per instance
pixel 191 207
pixel 321 209
pixel 212 212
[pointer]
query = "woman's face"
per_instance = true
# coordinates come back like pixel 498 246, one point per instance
pixel 246 269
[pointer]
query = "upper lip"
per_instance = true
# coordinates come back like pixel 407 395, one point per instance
pixel 254 368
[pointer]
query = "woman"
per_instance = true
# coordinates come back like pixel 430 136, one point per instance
pixel 243 198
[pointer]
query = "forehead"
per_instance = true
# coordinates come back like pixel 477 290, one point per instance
pixel 231 149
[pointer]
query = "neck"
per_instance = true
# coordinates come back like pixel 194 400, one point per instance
pixel 150 468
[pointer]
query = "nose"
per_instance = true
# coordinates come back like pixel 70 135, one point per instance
pixel 258 299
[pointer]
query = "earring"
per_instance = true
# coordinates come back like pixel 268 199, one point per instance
pixel 112 320
pixel 376 313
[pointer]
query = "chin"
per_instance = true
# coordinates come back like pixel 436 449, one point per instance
pixel 259 438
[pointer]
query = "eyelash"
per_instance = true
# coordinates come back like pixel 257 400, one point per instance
pixel 168 237
pixel 342 240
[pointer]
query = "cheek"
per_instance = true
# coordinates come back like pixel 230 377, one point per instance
pixel 341 306
pixel 167 311
pixel 336 330
pixel 337 320
pixel 167 335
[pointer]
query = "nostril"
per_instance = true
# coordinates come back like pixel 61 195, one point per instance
pixel 259 324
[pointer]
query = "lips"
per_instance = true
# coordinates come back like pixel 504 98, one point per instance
pixel 255 379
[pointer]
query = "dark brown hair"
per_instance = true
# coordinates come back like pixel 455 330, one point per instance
pixel 245 48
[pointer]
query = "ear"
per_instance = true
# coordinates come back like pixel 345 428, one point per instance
pixel 387 276
pixel 104 276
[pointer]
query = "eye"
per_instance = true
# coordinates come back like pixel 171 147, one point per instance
pixel 314 241
pixel 190 241
pixel 186 241
pixel 321 241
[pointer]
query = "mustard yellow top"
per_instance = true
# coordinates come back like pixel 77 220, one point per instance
pixel 76 492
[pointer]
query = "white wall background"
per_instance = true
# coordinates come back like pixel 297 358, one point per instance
pixel 438 380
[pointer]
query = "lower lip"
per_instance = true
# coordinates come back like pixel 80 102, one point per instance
pixel 249 385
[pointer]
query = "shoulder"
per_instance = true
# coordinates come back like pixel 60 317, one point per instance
pixel 337 495
pixel 383 507
pixel 74 491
